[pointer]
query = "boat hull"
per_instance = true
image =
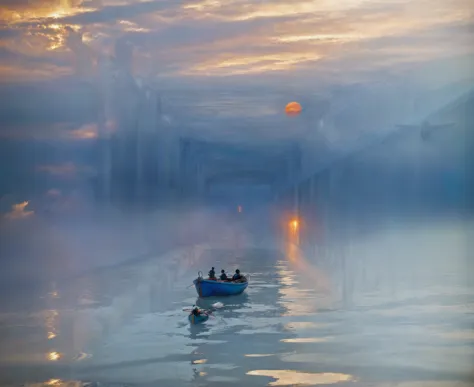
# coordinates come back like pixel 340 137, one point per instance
pixel 198 319
pixel 209 288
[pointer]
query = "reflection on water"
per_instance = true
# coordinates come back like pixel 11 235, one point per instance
pixel 51 335
pixel 296 300
pixel 51 323
pixel 57 383
pixel 304 325
pixel 259 355
pixel 53 356
pixel 54 382
pixel 308 340
pixel 281 331
pixel 286 378
pixel 200 361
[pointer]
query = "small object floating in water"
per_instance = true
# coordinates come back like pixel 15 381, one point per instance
pixel 193 319
pixel 218 305
pixel 209 288
pixel 198 316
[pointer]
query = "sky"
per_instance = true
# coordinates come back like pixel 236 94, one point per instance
pixel 226 68
pixel 296 45
pixel 312 40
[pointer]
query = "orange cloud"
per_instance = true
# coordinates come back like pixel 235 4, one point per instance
pixel 230 37
pixel 19 211
pixel 90 131
pixel 85 132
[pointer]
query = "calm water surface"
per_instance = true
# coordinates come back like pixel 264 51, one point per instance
pixel 125 326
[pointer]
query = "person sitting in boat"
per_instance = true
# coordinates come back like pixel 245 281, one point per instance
pixel 212 274
pixel 223 276
pixel 237 276
pixel 196 311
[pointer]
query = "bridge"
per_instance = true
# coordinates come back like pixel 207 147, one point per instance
pixel 151 159
pixel 251 176
pixel 205 163
pixel 147 158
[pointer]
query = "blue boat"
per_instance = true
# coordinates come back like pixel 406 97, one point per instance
pixel 210 288
pixel 198 319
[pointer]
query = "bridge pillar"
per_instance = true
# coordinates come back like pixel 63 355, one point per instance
pixel 105 164
pixel 467 123
pixel 200 180
pixel 295 200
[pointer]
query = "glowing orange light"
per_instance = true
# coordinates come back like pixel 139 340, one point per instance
pixel 53 356
pixel 293 109
pixel 294 225
pixel 85 132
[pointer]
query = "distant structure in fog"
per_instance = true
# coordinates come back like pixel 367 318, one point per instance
pixel 427 129
pixel 142 161
pixel 133 144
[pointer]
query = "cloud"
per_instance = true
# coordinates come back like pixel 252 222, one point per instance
pixel 24 10
pixel 214 45
pixel 19 211
pixel 21 4
pixel 8 55
pixel 116 12
pixel 287 44
pixel 200 38
pixel 53 193
pixel 67 170
pixel 89 131
pixel 86 132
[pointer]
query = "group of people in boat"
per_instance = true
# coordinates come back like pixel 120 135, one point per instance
pixel 223 277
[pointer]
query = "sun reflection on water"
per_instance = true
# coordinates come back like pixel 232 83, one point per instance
pixel 303 325
pixel 53 382
pixel 51 335
pixel 54 356
pixel 308 340
pixel 259 355
pixel 57 383
pixel 288 377
pixel 297 302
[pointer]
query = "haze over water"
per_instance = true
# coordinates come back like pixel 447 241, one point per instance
pixel 144 141
pixel 295 325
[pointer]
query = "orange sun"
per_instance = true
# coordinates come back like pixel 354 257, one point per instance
pixel 293 109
